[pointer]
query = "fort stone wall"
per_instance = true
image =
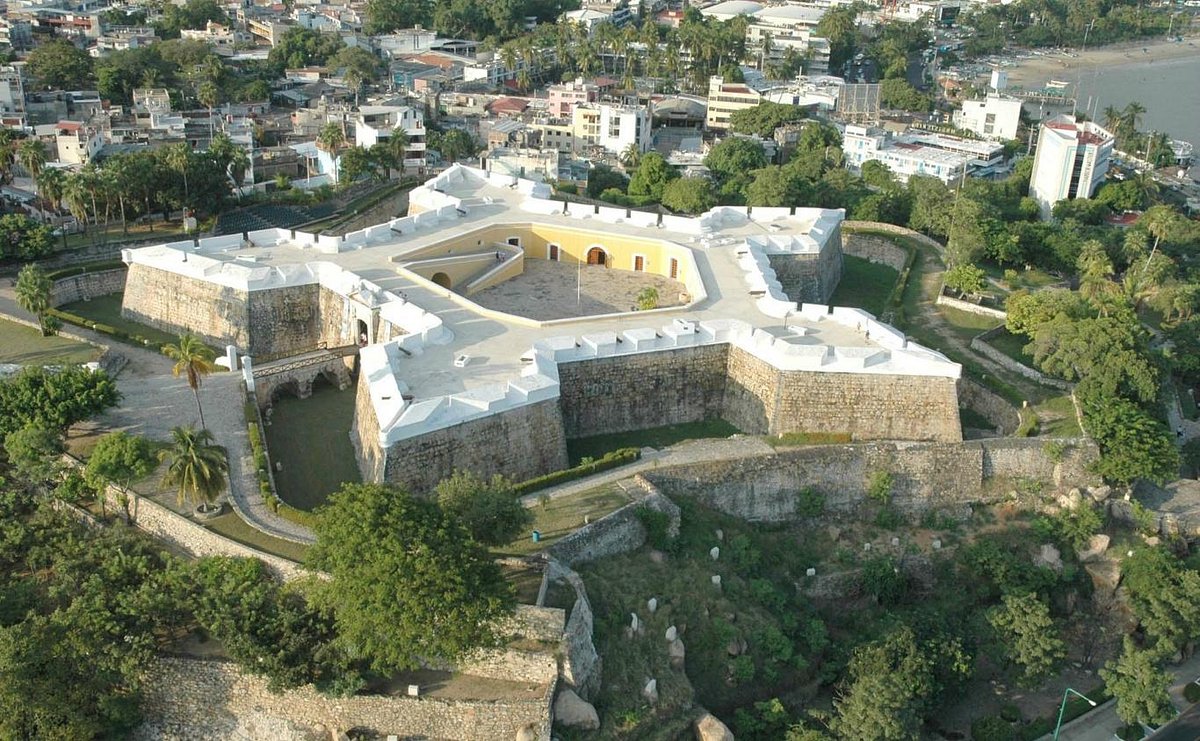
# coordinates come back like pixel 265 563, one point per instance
pixel 283 321
pixel 201 699
pixel 926 476
pixel 177 303
pixel 87 286
pixel 809 279
pixel 521 443
pixel 636 392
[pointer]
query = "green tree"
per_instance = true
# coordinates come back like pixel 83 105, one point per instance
pixel 194 360
pixel 1165 597
pixel 1140 686
pixel 408 583
pixel 385 16
pixel 647 299
pixel 301 47
pixel 195 467
pixel 1133 444
pixel 689 195
pixel 777 186
pixel 353 164
pixel 888 682
pixel 454 145
pixel 490 510
pixel 33 293
pixel 59 65
pixel 1027 311
pixel 119 459
pixel 55 398
pixel 1027 635
pixel 966 279
pixel 34 452
pixel 31 154
pixel 897 94
pixel 1105 352
pixel 764 118
pixel 651 177
pixel 23 238
pixel 932 205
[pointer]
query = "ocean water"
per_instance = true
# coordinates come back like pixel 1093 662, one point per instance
pixel 1169 90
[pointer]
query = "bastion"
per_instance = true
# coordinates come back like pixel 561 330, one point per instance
pixel 445 383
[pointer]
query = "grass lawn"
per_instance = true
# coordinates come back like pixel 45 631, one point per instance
pixel 560 517
pixel 656 437
pixel 235 528
pixel 1012 345
pixel 107 310
pixel 864 284
pixel 966 325
pixel 527 582
pixel 310 439
pixel 1030 279
pixel 26 346
pixel 1058 418
pixel 161 230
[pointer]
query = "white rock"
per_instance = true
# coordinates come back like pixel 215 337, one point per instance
pixel 1100 493
pixel 709 728
pixel 650 691
pixel 937 544
pixel 714 553
pixel 895 542
pixel 676 653
pixel 1096 547
pixel 1049 557
pixel 527 733
pixel 573 711
pixel 672 633
pixel 720 534
pixel 716 580
pixel 810 572
pixel 652 605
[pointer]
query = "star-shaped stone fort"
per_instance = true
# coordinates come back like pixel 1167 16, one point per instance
pixel 492 324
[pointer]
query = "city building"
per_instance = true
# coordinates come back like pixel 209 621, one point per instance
pixel 1071 161
pixel 994 117
pixel 74 142
pixel 613 128
pixel 563 98
pixel 725 99
pixel 904 158
pixel 375 124
pixel 12 99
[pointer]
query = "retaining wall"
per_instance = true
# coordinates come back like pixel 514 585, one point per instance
pixel 874 249
pixel 201 699
pixel 899 231
pixel 970 307
pixel 980 345
pixel 926 476
pixel 997 411
pixel 809 278
pixel 87 286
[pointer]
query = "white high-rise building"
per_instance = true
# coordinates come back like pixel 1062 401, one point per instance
pixel 1071 161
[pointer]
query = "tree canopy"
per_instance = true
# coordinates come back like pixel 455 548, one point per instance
pixel 408 581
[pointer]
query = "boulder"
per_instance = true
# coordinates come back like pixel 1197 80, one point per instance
pixel 709 728
pixel 1100 493
pixel 1096 547
pixel 658 556
pixel 1049 557
pixel 677 653
pixel 527 732
pixel 1106 575
pixel 650 692
pixel 1070 500
pixel 573 711
pixel 736 647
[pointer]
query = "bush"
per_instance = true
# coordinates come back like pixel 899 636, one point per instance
pixel 657 526
pixel 1191 692
pixel 880 486
pixel 889 519
pixel 1029 425
pixel 1010 713
pixel 587 467
pixel 809 502
pixel 992 728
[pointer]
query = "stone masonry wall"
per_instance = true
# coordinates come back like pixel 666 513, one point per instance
pixel 760 398
pixel 284 321
pixel 203 699
pixel 927 476
pixel 997 411
pixel 636 392
pixel 618 532
pixel 875 249
pixel 808 279
pixel 364 434
pixel 172 303
pixel 87 285
pixel 521 443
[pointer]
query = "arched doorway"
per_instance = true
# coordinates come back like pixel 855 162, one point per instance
pixel 441 279
pixel 597 256
pixel 362 337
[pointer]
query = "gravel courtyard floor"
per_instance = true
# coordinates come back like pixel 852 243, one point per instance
pixel 547 290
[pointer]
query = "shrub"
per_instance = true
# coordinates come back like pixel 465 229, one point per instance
pixel 880 486
pixel 889 519
pixel 1191 692
pixel 992 728
pixel 1010 713
pixel 1054 450
pixel 809 502
pixel 586 467
pixel 1029 424
pixel 657 526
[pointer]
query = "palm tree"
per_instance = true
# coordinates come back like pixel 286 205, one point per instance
pixel 1147 186
pixel 32 156
pixel 630 157
pixel 179 158
pixel 197 467
pixel 209 95
pixel 397 145
pixel 194 359
pixel 75 195
pixel 1131 116
pixel 330 139
pixel 33 293
pixel 50 182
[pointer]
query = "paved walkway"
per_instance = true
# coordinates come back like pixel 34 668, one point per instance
pixel 1102 723
pixel 154 401
pixel 691 451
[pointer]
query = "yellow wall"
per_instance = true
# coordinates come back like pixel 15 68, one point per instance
pixel 573 247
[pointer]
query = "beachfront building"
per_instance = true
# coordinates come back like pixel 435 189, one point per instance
pixel 994 117
pixel 903 158
pixel 1071 161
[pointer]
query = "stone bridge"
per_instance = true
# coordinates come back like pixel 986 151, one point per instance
pixel 297 374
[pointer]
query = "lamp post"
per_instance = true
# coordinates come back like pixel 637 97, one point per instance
pixel 1063 707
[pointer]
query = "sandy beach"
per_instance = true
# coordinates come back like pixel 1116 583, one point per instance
pixel 1035 71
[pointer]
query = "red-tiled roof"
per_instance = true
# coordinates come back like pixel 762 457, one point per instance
pixel 508 105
